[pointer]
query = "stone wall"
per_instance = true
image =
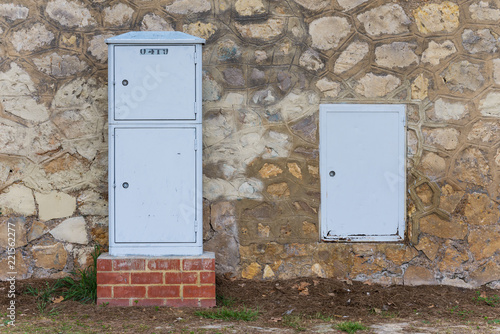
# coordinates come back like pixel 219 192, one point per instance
pixel 268 65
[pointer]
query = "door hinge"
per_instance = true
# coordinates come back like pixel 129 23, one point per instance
pixel 195 57
pixel 196 149
pixel 195 108
pixel 195 225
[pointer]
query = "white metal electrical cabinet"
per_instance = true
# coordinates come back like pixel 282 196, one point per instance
pixel 155 135
pixel 362 166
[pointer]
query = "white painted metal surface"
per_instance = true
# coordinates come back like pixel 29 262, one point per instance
pixel 159 85
pixel 155 170
pixel 152 37
pixel 155 184
pixel 362 166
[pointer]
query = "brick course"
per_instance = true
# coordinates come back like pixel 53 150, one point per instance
pixel 174 281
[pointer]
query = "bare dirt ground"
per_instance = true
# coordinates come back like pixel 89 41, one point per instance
pixel 300 305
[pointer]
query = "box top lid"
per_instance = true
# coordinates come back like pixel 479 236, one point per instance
pixel 156 37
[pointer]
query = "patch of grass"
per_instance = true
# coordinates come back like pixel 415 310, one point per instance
pixel 143 327
pixel 385 314
pixel 351 327
pixel 85 288
pixel 462 313
pixel 321 316
pixel 31 291
pixel 65 328
pixel 225 313
pixel 490 301
pixel 6 320
pixel 225 301
pixel 293 321
pixel 44 297
pixel 80 324
pixel 492 321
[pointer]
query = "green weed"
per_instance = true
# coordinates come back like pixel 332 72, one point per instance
pixel 84 289
pixel 80 324
pixel 31 291
pixel 490 301
pixel 225 301
pixel 462 313
pixel 351 327
pixel 492 321
pixel 142 327
pixel 44 297
pixel 321 316
pixel 385 314
pixel 293 321
pixel 6 320
pixel 225 313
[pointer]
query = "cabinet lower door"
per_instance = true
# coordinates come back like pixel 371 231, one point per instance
pixel 155 185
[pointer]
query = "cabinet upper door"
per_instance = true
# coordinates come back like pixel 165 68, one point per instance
pixel 154 82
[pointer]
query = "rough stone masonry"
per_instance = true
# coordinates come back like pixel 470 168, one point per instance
pixel 268 64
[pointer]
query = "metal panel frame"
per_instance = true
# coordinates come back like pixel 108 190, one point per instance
pixel 156 38
pixel 400 109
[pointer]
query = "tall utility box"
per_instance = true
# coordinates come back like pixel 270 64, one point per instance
pixel 155 170
pixel 155 179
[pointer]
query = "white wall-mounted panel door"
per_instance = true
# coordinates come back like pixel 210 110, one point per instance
pixel 155 185
pixel 362 172
pixel 154 82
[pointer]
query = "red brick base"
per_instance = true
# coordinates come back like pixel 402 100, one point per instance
pixel 156 281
